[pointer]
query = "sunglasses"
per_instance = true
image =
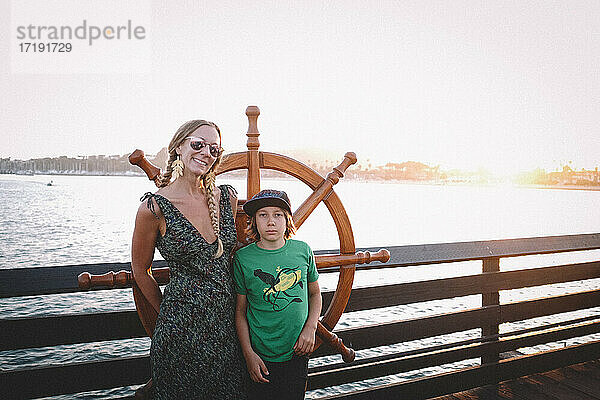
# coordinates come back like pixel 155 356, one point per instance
pixel 198 144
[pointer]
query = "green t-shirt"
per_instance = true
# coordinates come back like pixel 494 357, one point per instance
pixel 275 283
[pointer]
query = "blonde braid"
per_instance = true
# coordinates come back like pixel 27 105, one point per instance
pixel 208 181
pixel 165 179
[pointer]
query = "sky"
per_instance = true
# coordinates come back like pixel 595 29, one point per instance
pixel 505 86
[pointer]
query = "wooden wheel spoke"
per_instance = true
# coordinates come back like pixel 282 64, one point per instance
pixel 306 208
pixel 331 260
pixel 323 190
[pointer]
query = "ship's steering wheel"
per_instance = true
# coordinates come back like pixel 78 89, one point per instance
pixel 253 161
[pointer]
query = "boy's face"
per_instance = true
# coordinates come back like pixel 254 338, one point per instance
pixel 271 223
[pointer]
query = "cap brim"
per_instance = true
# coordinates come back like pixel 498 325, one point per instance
pixel 252 206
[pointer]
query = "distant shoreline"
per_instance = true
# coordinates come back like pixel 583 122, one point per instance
pixel 134 174
pixel 388 181
pixel 562 187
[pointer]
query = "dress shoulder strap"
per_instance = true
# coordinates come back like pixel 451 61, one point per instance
pixel 147 197
pixel 229 189
pixel 226 191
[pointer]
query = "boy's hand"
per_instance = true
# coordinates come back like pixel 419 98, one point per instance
pixel 306 341
pixel 257 368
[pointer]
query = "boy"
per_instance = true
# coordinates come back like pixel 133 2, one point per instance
pixel 278 300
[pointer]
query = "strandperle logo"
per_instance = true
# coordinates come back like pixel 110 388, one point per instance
pixel 84 31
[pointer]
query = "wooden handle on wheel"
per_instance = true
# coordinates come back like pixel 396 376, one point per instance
pixel 120 279
pixel 110 279
pixel 335 342
pixel 330 260
pixel 138 158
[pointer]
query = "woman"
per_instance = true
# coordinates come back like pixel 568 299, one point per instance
pixel 195 352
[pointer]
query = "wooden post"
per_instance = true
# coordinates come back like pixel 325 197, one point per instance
pixel 491 264
pixel 253 185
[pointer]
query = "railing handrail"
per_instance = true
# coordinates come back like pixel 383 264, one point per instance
pixel 59 279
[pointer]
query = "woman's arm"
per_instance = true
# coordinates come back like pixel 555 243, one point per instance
pixel 142 254
pixel 255 364
pixel 306 341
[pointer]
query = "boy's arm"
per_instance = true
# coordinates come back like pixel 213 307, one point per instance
pixel 306 341
pixel 256 366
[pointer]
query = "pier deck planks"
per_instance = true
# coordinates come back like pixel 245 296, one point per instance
pixel 575 382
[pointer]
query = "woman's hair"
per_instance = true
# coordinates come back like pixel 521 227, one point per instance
pixel 207 180
pixel 290 228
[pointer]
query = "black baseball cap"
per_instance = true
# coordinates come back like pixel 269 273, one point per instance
pixel 266 198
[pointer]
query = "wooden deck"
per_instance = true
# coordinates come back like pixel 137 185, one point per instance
pixel 575 382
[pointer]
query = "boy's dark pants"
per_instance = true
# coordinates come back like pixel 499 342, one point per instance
pixel 287 380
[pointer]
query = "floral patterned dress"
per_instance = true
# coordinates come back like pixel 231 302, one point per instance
pixel 195 353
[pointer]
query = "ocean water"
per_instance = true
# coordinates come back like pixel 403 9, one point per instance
pixel 89 219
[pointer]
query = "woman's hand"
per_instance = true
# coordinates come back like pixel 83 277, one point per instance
pixel 256 367
pixel 306 341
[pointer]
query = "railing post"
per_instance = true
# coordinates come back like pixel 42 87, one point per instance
pixel 491 264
